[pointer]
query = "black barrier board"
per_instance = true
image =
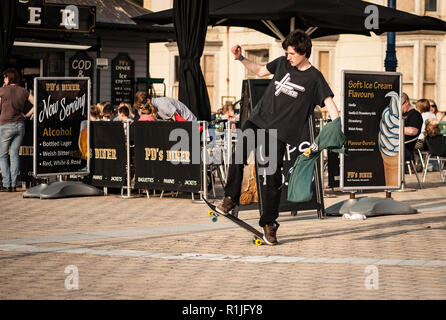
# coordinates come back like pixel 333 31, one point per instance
pixel 107 154
pixel 371 109
pixel 155 156
pixel 61 126
pixel 333 169
pixel 252 92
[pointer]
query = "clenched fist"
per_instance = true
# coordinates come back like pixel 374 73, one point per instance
pixel 236 51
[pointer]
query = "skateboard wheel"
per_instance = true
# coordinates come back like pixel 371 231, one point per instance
pixel 210 212
pixel 258 242
pixel 214 219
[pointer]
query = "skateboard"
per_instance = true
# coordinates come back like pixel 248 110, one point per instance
pixel 213 213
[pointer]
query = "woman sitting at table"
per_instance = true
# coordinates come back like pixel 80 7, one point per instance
pixel 147 112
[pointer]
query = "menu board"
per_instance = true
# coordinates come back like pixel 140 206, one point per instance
pixel 122 79
pixel 61 110
pixel 81 65
pixel 371 118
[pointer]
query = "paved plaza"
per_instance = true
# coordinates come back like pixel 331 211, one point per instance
pixel 139 248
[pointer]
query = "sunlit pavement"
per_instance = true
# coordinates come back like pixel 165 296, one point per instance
pixel 139 248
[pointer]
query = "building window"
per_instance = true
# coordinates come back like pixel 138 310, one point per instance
pixel 430 5
pixel 208 69
pixel 209 75
pixel 324 64
pixel 176 76
pixel 406 5
pixel 405 57
pixel 430 74
pixel 259 56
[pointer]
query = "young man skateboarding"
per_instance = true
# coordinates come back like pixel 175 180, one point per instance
pixel 291 96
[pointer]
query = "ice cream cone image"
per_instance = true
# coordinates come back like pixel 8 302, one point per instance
pixel 389 139
pixel 391 169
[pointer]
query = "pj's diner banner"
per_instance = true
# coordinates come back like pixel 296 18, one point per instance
pixel 167 155
pixel 107 154
pixel 61 139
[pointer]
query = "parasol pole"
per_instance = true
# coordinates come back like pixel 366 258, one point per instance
pixel 391 62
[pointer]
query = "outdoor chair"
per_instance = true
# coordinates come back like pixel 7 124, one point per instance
pixel 422 155
pixel 436 148
pixel 410 164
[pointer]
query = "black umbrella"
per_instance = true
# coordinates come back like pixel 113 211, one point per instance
pixel 166 17
pixel 325 17
pixel 191 20
pixel 8 9
pixel 317 17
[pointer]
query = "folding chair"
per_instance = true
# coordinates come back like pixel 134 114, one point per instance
pixel 411 163
pixel 436 148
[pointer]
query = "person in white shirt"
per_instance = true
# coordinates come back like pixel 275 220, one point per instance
pixel 166 108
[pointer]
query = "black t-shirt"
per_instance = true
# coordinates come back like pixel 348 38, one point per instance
pixel 289 99
pixel 412 118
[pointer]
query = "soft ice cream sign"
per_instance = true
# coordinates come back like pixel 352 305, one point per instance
pixel 371 114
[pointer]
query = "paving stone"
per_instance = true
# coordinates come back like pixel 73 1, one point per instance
pixel 167 249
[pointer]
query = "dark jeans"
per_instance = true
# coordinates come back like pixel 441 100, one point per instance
pixel 271 191
pixel 407 153
pixel 11 136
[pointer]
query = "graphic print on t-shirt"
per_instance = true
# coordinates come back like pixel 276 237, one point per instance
pixel 287 87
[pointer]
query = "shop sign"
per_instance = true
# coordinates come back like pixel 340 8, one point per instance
pixel 39 15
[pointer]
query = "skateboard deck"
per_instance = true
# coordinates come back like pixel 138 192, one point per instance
pixel 213 213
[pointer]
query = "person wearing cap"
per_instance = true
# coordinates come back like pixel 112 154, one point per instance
pixel 167 107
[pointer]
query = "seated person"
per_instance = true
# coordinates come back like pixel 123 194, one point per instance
pixel 108 113
pixel 413 121
pixel 141 98
pixel 433 131
pixel 95 113
pixel 147 113
pixel 440 117
pixel 434 109
pixel 131 113
pixel 423 107
pixel 167 107
pixel 101 106
pixel 441 124
pixel 124 113
pixel 228 112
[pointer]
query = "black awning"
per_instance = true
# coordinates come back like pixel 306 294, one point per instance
pixel 110 11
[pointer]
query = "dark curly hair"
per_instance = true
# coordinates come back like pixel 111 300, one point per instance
pixel 300 41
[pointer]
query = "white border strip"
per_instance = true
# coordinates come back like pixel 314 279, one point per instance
pixel 223 257
pixel 50 45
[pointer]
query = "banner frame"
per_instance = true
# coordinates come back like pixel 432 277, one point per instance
pixel 80 173
pixel 401 133
pixel 174 187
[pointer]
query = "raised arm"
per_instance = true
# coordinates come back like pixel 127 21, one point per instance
pixel 258 69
